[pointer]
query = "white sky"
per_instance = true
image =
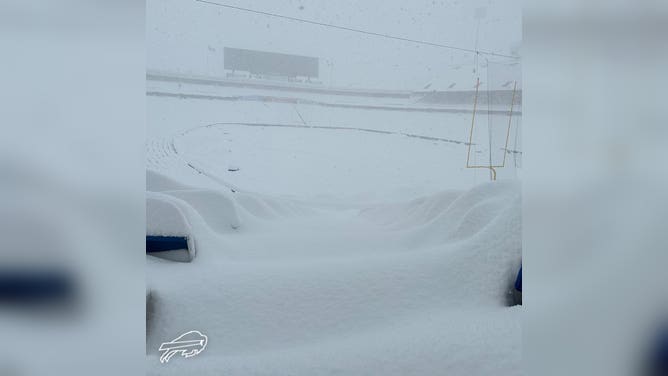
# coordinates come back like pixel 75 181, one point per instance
pixel 188 36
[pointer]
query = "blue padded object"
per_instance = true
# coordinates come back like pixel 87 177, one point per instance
pixel 165 243
pixel 518 281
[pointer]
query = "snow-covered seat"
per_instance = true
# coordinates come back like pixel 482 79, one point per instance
pixel 168 231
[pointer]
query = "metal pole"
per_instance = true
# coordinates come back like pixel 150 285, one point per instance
pixel 475 103
pixel 510 118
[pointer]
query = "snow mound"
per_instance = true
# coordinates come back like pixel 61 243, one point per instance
pixel 479 230
pixel 217 209
pixel 412 213
pixel 486 205
pixel 449 215
pixel 263 207
pixel 167 216
pixel 157 182
pixel 347 291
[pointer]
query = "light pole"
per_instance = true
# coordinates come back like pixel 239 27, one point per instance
pixel 330 64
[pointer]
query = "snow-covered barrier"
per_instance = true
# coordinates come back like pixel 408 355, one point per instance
pixel 168 231
pixel 218 210
pixel 157 182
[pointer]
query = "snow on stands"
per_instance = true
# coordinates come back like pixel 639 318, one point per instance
pixel 415 287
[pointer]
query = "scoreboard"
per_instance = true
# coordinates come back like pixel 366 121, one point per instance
pixel 270 63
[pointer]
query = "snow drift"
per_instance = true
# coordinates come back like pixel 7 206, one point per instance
pixel 409 288
pixel 166 218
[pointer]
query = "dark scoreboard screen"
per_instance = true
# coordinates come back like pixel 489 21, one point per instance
pixel 270 63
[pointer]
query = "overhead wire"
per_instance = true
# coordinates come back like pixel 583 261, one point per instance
pixel 361 31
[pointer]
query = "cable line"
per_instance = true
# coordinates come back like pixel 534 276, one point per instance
pixel 357 30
